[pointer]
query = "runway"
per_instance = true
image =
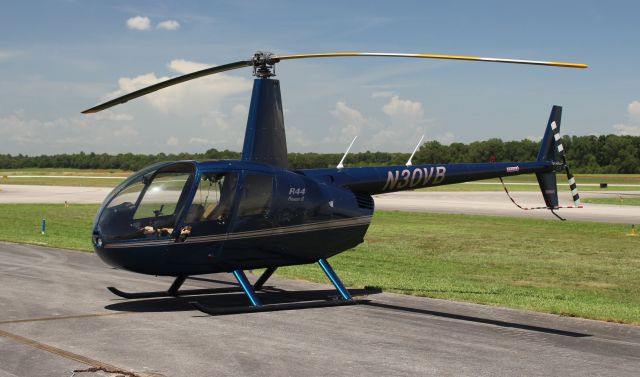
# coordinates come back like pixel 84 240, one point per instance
pixel 498 204
pixel 52 194
pixel 56 316
pixel 475 203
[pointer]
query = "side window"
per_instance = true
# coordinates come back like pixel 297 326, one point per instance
pixel 256 196
pixel 162 195
pixel 214 198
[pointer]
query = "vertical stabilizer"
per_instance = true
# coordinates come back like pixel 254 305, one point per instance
pixel 264 139
pixel 549 152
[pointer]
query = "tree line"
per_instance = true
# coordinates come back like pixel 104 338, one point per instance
pixel 585 154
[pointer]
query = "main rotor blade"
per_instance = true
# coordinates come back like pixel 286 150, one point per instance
pixel 170 82
pixel 430 56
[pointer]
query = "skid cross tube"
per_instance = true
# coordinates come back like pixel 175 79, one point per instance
pixel 257 306
pixel 264 277
pixel 173 290
pixel 326 267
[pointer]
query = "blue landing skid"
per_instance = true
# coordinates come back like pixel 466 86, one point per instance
pixel 257 306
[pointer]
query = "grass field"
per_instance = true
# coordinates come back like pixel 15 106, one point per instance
pixel 110 178
pixel 68 228
pixel 623 201
pixel 580 269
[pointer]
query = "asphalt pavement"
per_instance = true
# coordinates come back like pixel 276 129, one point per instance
pixel 497 203
pixel 56 317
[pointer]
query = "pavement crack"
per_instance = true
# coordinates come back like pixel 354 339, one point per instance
pixel 57 318
pixel 63 353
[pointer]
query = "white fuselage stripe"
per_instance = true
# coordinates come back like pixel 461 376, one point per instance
pixel 323 225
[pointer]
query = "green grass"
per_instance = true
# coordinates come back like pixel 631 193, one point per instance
pixel 582 269
pixel 68 228
pixel 625 201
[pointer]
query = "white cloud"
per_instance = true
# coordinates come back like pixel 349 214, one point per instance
pixel 6 55
pixel 397 106
pixel 173 141
pixel 448 138
pixel 400 131
pixel 623 129
pixel 22 134
pixel 382 94
pixel 297 138
pixel 348 114
pixel 195 96
pixel 200 141
pixel 633 110
pixel 632 126
pixel 240 111
pixel 126 131
pixel 139 23
pixel 350 122
pixel 169 25
pixel 110 115
pixel 185 66
pixel 222 130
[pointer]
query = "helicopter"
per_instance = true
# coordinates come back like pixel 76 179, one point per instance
pixel 188 218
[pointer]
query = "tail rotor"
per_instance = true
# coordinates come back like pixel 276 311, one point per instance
pixel 561 152
pixel 552 151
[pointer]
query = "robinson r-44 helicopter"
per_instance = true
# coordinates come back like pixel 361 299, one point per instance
pixel 188 218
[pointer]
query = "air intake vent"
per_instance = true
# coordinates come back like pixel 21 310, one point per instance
pixel 364 200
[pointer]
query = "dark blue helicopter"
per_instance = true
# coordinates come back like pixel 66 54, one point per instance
pixel 188 218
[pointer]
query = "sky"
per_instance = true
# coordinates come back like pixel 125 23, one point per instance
pixel 60 57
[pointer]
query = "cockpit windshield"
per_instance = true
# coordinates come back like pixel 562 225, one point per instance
pixel 148 206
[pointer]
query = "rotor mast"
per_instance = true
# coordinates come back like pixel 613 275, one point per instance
pixel 265 138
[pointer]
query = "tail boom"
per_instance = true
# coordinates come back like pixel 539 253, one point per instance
pixel 383 179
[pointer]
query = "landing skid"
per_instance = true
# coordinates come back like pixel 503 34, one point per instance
pixel 273 307
pixel 257 306
pixel 174 290
pixel 186 292
pixel 246 287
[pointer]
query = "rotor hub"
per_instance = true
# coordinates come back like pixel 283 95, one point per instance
pixel 264 64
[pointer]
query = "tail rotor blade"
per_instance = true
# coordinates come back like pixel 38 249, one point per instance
pixel 572 181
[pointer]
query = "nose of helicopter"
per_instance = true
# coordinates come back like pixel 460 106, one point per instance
pixel 145 260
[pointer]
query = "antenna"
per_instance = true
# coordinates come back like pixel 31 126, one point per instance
pixel 340 166
pixel 414 151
